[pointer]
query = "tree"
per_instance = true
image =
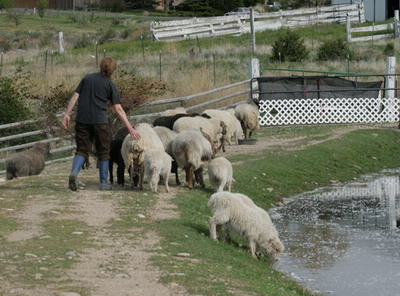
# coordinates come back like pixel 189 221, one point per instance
pixel 6 4
pixel 14 16
pixel 42 6
pixel 142 4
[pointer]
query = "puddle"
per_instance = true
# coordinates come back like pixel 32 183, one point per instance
pixel 344 240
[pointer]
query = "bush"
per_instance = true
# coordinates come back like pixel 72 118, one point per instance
pixel 84 41
pixel 335 49
pixel 389 49
pixel 289 47
pixel 42 6
pixel 13 98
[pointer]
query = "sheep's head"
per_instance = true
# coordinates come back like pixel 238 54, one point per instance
pixel 273 246
pixel 213 146
pixel 223 127
pixel 137 155
pixel 44 148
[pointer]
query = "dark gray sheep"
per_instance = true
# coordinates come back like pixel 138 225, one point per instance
pixel 27 163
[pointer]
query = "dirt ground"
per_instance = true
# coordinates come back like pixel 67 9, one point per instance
pixel 136 275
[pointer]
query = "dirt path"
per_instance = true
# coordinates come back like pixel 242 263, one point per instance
pixel 119 265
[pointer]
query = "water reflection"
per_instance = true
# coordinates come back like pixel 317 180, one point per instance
pixel 344 240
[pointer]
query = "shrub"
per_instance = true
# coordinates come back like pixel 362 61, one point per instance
pixel 334 49
pixel 14 16
pixel 42 5
pixel 389 49
pixel 289 47
pixel 51 105
pixel 13 98
pixel 84 41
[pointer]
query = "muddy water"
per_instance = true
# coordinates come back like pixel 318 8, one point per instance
pixel 344 240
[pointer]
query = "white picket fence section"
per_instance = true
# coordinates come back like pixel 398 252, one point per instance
pixel 329 111
pixel 240 24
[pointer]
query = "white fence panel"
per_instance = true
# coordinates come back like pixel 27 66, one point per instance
pixel 324 111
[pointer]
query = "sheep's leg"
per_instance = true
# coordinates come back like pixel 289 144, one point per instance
pixel 120 174
pixel 110 171
pixel 189 177
pixel 199 176
pixel 252 246
pixel 166 177
pixel 213 229
pixel 141 179
pixel 174 169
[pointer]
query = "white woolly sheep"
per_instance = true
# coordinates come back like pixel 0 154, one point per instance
pixel 247 114
pixel 167 136
pixel 245 218
pixel 157 163
pixel 233 127
pixel 213 127
pixel 220 174
pixel 177 110
pixel 132 150
pixel 191 150
pixel 27 163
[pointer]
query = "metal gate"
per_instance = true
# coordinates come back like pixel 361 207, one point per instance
pixel 328 99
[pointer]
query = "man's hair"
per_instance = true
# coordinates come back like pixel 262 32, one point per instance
pixel 107 67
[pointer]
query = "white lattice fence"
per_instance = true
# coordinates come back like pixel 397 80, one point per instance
pixel 316 111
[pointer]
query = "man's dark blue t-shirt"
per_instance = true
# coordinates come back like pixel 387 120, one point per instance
pixel 95 90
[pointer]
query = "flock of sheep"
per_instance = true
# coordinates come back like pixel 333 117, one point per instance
pixel 188 141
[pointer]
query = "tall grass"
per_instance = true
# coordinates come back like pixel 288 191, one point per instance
pixel 186 67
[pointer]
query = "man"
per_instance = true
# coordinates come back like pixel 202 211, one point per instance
pixel 95 94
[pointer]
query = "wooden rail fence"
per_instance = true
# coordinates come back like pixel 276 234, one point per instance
pixel 239 24
pixel 375 32
pixel 222 97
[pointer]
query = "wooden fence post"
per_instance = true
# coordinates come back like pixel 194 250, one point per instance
pixel 253 32
pixel 348 29
pixel 390 81
pixel 1 64
pixel 61 42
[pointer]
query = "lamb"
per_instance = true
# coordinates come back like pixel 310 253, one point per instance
pixel 27 163
pixel 167 136
pixel 168 121
pixel 177 110
pixel 247 114
pixel 240 214
pixel 157 163
pixel 190 150
pixel 132 150
pixel 233 126
pixel 213 127
pixel 220 174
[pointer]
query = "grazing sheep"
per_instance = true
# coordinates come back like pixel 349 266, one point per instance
pixel 233 127
pixel 190 150
pixel 132 150
pixel 247 114
pixel 241 215
pixel 167 136
pixel 157 163
pixel 27 163
pixel 168 121
pixel 177 110
pixel 220 174
pixel 116 157
pixel 213 127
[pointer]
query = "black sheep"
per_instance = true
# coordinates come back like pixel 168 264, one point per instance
pixel 168 121
pixel 116 157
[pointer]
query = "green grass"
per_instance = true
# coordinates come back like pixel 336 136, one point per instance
pixel 229 266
